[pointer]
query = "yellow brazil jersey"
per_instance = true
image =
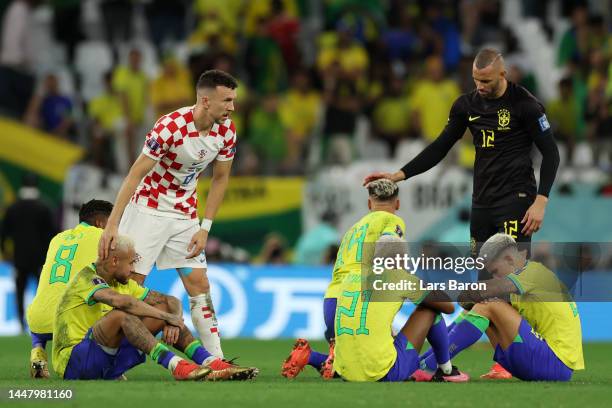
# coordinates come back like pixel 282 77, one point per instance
pixel 69 252
pixel 364 348
pixel 544 302
pixel 77 312
pixel 367 230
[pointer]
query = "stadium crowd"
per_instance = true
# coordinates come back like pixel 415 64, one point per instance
pixel 318 79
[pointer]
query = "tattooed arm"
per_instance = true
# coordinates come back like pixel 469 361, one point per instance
pixel 174 305
pixel 135 307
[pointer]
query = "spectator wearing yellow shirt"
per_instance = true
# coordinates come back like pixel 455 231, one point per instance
pixel 341 48
pixel 172 89
pixel 133 86
pixel 432 99
pixel 564 116
pixel 300 114
pixel 106 113
pixel 391 115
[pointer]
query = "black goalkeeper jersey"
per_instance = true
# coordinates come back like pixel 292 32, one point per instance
pixel 504 131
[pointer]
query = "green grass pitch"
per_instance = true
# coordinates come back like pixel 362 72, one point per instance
pixel 151 386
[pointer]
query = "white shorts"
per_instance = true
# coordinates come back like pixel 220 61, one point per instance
pixel 160 240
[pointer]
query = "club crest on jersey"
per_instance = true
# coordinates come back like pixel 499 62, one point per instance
pixel 503 119
pixel 398 231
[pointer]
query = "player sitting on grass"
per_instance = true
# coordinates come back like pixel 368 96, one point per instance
pixel 372 353
pixel 536 338
pixel 69 252
pixel 380 221
pixel 93 342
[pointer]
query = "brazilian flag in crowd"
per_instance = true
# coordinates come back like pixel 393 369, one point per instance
pixel 27 150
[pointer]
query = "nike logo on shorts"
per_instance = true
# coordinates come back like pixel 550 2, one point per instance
pixel 472 118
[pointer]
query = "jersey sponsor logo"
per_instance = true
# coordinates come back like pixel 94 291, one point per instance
pixel 472 118
pixel 201 154
pixel 503 119
pixel 543 121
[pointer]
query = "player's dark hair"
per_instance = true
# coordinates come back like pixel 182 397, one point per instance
pixel 383 190
pixel 486 57
pixel 93 209
pixel 214 78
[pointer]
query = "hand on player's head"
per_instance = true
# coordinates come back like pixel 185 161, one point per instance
pixel 375 176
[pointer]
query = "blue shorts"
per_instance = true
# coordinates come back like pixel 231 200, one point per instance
pixel 406 363
pixel 532 359
pixel 40 339
pixel 88 361
pixel 329 315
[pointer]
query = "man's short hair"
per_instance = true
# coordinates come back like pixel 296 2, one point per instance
pixel 496 245
pixel 383 190
pixel 486 57
pixel 93 209
pixel 214 78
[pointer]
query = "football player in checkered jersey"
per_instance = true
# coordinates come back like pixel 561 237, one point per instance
pixel 156 204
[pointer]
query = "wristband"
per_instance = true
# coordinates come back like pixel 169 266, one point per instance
pixel 206 224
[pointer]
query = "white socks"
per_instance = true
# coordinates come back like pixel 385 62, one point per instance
pixel 446 368
pixel 205 322
pixel 173 363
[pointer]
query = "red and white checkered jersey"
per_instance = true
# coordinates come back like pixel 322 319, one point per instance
pixel 169 189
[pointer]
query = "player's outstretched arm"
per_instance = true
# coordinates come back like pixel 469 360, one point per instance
pixel 139 169
pixel 432 154
pixel 135 307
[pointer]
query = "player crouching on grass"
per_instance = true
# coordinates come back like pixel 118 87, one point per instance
pixel 92 342
pixel 537 337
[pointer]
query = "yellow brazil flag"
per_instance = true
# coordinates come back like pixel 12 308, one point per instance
pixel 24 149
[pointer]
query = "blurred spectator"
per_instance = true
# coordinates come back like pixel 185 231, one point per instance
pixel 299 113
pixel 448 32
pixel 172 89
pixel 117 17
pixel 267 134
pixel 574 42
pixel 312 246
pixel 342 63
pixel 166 20
pixel 25 233
pixel 66 23
pixel 284 29
pixel 132 85
pixel 401 42
pixel 274 251
pixel 481 22
pixel 255 11
pixel 264 61
pixel 212 36
pixel 564 116
pixel 391 115
pixel 106 113
pixel 599 107
pixel 50 110
pixel 432 99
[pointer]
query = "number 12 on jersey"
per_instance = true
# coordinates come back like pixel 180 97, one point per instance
pixel 354 296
